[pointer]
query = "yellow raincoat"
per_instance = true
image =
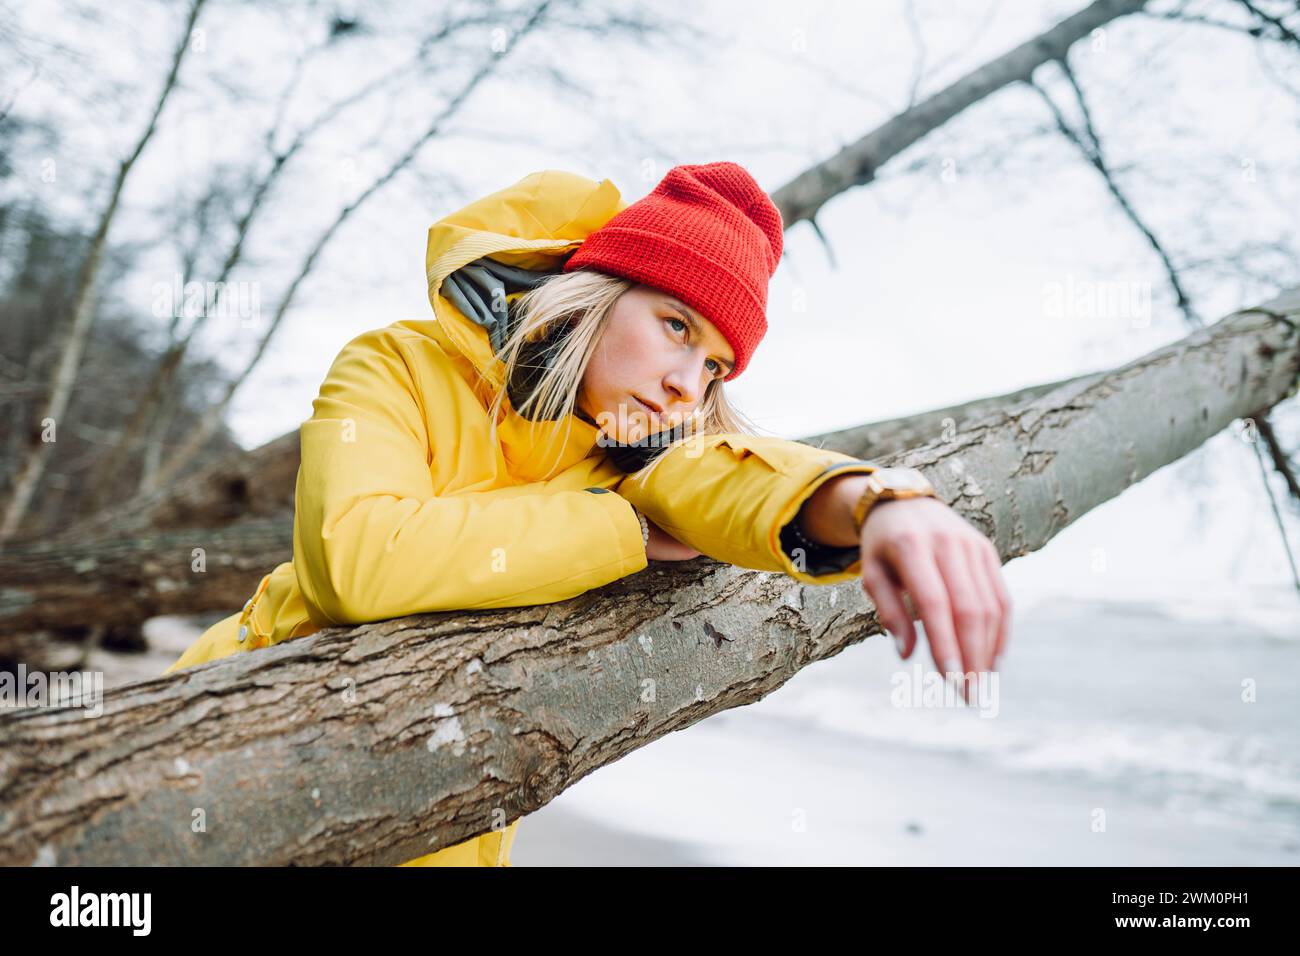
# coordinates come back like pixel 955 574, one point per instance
pixel 403 504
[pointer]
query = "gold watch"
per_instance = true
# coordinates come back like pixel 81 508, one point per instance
pixel 884 484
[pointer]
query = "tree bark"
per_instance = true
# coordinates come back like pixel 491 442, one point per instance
pixel 374 744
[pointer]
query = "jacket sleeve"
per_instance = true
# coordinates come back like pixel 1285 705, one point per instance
pixel 372 540
pixel 732 496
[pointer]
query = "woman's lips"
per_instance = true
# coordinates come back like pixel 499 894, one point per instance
pixel 648 407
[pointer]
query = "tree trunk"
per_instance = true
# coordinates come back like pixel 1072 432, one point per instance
pixel 129 579
pixel 374 744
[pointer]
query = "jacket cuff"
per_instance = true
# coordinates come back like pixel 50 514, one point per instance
pixel 822 564
pixel 816 558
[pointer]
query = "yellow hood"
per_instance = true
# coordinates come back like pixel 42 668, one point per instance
pixel 533 224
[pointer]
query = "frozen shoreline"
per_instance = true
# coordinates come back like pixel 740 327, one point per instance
pixel 867 804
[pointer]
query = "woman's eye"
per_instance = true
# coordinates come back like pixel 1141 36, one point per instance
pixel 717 366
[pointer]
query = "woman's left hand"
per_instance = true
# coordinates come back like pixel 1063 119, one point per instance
pixel 949 570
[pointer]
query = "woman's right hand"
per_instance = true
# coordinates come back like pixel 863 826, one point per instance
pixel 664 547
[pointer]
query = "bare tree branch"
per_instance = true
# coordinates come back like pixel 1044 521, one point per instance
pixel 856 164
pixel 1090 147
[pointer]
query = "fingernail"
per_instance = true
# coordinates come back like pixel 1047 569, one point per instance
pixel 899 644
pixel 952 665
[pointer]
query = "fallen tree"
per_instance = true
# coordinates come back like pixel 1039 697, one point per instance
pixel 374 744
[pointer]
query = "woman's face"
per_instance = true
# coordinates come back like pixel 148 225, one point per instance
pixel 651 365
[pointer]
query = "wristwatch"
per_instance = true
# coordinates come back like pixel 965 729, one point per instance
pixel 886 483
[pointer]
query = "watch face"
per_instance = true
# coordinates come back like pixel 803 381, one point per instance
pixel 903 479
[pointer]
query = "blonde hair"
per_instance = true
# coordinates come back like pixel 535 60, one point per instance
pixel 584 299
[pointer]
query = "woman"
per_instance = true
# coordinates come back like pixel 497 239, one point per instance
pixel 561 421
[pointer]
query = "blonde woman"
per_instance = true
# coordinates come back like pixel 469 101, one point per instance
pixel 561 420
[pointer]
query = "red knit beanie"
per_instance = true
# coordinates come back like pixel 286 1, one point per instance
pixel 709 235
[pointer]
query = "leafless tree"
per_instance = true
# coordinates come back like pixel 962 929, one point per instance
pixel 83 310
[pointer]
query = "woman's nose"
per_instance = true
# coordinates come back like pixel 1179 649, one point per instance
pixel 680 388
